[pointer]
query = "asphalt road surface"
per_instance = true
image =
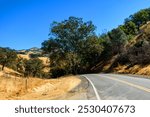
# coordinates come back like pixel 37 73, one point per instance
pixel 118 87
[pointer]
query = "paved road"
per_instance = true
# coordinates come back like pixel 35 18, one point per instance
pixel 119 87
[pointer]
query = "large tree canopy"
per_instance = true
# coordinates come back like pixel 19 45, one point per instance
pixel 70 32
pixel 70 45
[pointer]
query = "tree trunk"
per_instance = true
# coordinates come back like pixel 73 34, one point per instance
pixel 3 67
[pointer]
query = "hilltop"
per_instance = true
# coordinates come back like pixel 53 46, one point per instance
pixel 33 50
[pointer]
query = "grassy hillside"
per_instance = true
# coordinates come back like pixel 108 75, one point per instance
pixel 25 64
pixel 135 59
pixel 14 86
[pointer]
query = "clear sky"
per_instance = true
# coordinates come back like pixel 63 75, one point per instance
pixel 25 23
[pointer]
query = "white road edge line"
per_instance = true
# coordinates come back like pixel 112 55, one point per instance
pixel 95 90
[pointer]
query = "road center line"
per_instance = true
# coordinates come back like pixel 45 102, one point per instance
pixel 130 84
pixel 95 90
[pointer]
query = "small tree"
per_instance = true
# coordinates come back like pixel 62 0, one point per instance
pixel 20 64
pixel 118 38
pixel 33 67
pixel 129 28
pixel 7 57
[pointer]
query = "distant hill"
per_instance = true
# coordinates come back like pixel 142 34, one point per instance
pixel 33 50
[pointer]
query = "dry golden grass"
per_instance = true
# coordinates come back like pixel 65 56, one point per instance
pixel 46 63
pixel 144 70
pixel 24 56
pixel 45 60
pixel 15 88
pixel 136 69
pixel 9 71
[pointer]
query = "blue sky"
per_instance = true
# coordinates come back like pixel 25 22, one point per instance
pixel 25 23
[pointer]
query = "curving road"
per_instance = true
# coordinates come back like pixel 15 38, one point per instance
pixel 119 87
